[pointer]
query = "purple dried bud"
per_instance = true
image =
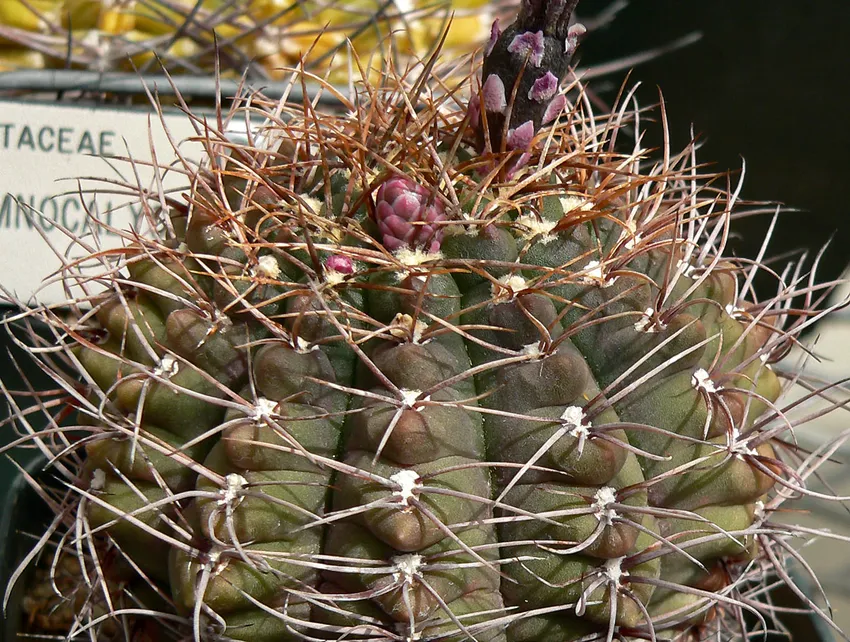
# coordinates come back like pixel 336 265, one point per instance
pixel 340 263
pixel 406 214
pixel 544 87
pixel 576 31
pixel 554 108
pixel 495 32
pixel 529 44
pixel 493 95
pixel 521 137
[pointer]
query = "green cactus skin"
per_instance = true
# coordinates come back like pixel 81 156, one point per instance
pixel 557 422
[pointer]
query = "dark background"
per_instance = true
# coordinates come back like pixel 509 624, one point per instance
pixel 770 82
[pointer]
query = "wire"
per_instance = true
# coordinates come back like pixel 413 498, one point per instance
pixel 62 80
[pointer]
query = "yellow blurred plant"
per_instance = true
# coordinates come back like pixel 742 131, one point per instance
pixel 260 37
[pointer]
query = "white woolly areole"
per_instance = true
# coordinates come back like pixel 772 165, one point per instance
pixel 418 330
pixel 602 501
pixel 168 367
pixel 312 203
pixel 267 266
pixel 613 570
pixel 645 323
pixel 734 311
pixel 532 227
pixel 407 567
pixel 570 203
pixel 573 420
pixel 303 346
pixel 701 380
pixel 532 350
pixel 98 480
pixel 412 257
pixel 511 285
pixel 231 493
pixel 593 273
pixel 409 397
pixel 216 563
pixel 759 513
pixel 739 446
pixel 573 417
pixel 264 408
pixel 409 482
pixel 332 277
pixel 593 270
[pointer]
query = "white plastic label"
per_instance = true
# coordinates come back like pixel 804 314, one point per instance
pixel 52 162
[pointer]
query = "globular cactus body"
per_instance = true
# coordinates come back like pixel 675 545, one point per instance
pixel 366 385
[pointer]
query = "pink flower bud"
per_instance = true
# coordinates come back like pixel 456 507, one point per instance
pixel 406 213
pixel 340 263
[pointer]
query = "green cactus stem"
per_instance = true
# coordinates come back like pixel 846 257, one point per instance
pixel 524 66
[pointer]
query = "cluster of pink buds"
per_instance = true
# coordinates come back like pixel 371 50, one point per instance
pixel 408 215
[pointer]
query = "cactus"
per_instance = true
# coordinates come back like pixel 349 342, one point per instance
pixel 430 369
